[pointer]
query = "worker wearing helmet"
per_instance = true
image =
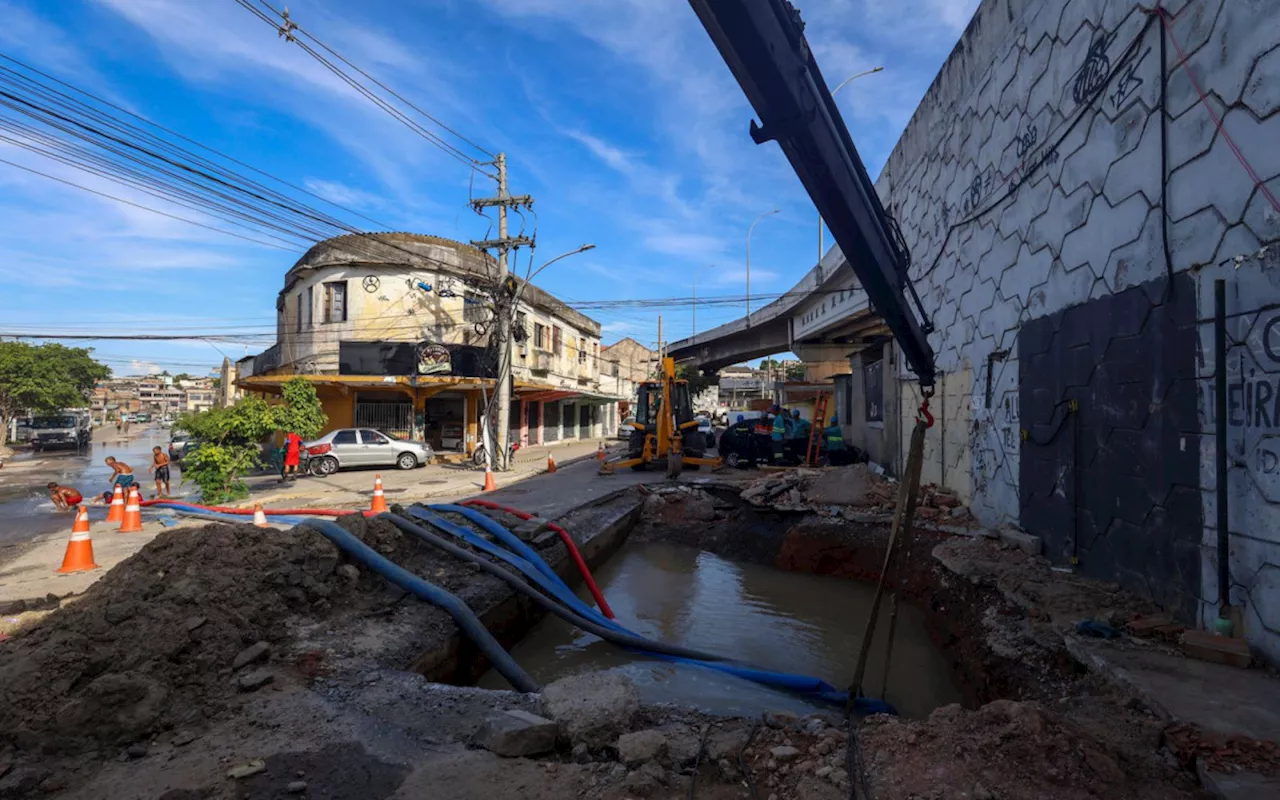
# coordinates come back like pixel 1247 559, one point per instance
pixel 834 436
pixel 779 432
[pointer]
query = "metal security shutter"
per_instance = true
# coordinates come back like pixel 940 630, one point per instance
pixel 392 417
pixel 551 422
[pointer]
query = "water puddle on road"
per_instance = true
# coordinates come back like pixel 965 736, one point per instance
pixel 760 616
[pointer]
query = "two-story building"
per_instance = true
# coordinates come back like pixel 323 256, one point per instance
pixel 395 331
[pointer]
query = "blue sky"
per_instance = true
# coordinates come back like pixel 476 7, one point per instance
pixel 617 115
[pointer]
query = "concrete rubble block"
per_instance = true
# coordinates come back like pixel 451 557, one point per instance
pixel 784 753
pixel 725 744
pixel 258 651
pixel 254 680
pixel 641 746
pixel 1218 649
pixel 645 781
pixel 682 747
pixel 780 720
pixel 1023 541
pixel 348 572
pixel 593 708
pixel 517 733
pixel 846 486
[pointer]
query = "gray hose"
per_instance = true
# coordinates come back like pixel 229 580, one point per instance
pixel 522 587
pixel 465 618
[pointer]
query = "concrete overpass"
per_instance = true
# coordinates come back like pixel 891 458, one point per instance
pixel 826 316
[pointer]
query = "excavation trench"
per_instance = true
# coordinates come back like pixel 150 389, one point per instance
pixel 782 591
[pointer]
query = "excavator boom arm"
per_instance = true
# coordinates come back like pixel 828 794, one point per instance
pixel 763 43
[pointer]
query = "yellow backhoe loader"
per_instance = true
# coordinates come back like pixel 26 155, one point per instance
pixel 664 429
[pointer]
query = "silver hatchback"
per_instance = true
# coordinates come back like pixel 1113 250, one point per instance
pixel 364 447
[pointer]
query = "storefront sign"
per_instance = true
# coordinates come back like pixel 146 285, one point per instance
pixel 433 359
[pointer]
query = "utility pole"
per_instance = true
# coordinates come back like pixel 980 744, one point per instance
pixel 659 343
pixel 503 293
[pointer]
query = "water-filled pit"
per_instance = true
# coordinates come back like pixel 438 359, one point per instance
pixel 759 615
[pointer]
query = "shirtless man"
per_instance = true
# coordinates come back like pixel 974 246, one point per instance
pixel 160 464
pixel 121 474
pixel 65 498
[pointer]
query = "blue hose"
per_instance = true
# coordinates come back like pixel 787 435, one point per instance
pixel 204 513
pixel 556 589
pixel 465 618
pixel 815 688
pixel 506 537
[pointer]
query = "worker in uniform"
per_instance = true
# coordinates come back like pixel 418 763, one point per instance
pixel 779 433
pixel 834 439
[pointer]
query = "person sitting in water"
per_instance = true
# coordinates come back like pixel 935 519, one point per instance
pixel 66 498
pixel 121 474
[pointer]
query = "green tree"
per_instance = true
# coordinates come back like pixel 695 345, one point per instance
pixel 795 372
pixel 769 363
pixel 181 376
pixel 301 412
pixel 229 446
pixel 44 379
pixel 697 381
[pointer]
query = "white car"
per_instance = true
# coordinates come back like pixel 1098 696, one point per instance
pixel 706 429
pixel 364 447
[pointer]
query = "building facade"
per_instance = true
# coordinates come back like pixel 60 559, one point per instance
pixel 395 331
pixel 1067 220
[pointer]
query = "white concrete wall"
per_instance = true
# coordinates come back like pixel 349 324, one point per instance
pixel 1029 180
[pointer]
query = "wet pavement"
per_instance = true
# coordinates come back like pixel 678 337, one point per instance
pixel 764 617
pixel 27 512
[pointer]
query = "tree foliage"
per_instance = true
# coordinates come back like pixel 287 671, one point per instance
pixel 302 412
pixel 795 372
pixel 229 445
pixel 697 381
pixel 230 439
pixel 44 379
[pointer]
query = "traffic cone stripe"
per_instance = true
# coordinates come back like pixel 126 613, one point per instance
pixel 259 516
pixel 132 522
pixel 116 512
pixel 379 504
pixel 551 463
pixel 79 555
pixel 489 483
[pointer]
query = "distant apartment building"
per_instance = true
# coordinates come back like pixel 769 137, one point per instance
pixel 394 330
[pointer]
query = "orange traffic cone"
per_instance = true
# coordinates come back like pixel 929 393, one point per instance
pixel 116 512
pixel 551 463
pixel 79 555
pixel 489 483
pixel 259 516
pixel 379 504
pixel 132 522
pixel 600 452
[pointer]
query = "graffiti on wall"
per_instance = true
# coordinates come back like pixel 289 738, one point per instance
pixel 1092 75
pixel 1128 81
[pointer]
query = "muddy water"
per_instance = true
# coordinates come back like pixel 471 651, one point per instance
pixel 763 617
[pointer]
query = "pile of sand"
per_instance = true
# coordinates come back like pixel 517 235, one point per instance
pixel 149 647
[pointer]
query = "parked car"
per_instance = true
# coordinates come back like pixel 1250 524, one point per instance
pixel 180 443
pixel 706 429
pixel 625 429
pixel 364 447
pixel 745 443
pixel 69 429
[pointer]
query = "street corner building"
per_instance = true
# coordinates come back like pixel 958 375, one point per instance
pixel 1071 188
pixel 395 330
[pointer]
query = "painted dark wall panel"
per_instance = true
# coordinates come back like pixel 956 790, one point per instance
pixel 1116 483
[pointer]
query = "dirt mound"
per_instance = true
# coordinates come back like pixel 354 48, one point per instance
pixel 151 645
pixel 1007 750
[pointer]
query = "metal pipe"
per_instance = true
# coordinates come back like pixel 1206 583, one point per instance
pixel 1220 431
pixel 751 228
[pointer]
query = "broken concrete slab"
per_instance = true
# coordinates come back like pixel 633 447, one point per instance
pixel 254 680
pixel 1213 697
pixel 516 733
pixel 1023 541
pixel 848 486
pixel 594 708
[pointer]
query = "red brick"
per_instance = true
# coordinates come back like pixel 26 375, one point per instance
pixel 1146 626
pixel 1219 649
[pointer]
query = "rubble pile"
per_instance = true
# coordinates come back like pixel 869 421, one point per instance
pixel 1220 753
pixel 171 636
pixel 1008 750
pixel 850 492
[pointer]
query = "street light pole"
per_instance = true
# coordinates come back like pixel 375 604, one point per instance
pixel 839 86
pixel 749 230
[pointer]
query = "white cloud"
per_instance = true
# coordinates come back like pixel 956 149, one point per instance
pixel 342 194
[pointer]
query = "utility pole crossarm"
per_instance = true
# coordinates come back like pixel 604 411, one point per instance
pixel 508 242
pixel 521 200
